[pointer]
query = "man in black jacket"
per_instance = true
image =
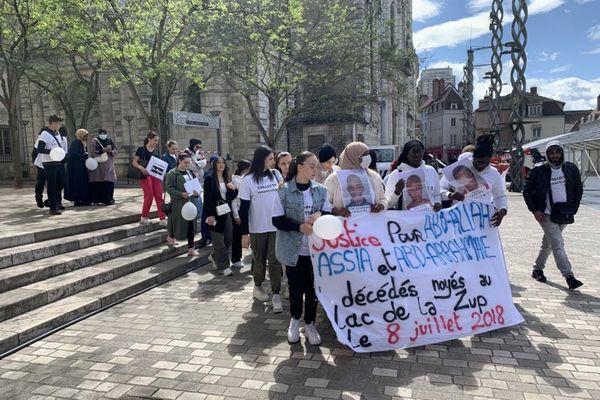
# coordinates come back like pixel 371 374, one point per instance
pixel 556 181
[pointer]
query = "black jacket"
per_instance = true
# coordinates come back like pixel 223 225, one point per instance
pixel 212 198
pixel 537 186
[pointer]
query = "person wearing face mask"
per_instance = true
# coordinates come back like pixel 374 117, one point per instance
pixel 103 178
pixel 411 159
pixel 553 192
pixel 327 159
pixel 355 156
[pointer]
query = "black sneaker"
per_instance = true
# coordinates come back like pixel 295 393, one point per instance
pixel 538 275
pixel 203 242
pixel 573 282
pixel 39 203
pixel 55 212
pixel 47 203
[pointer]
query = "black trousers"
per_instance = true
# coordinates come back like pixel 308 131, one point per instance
pixel 40 183
pixel 190 234
pixel 236 243
pixel 301 281
pixel 55 182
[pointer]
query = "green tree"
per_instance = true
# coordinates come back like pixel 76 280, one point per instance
pixel 18 20
pixel 276 49
pixel 150 44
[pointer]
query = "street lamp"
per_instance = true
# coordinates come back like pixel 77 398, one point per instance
pixel 24 123
pixel 129 118
pixel 216 113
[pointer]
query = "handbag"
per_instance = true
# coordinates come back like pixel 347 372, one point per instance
pixel 562 213
pixel 133 172
pixel 223 209
pixel 102 158
pixel 167 208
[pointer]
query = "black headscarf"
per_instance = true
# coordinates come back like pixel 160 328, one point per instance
pixel 193 143
pixel 484 146
pixel 407 146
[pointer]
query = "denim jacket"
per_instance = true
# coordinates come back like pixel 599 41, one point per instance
pixel 292 199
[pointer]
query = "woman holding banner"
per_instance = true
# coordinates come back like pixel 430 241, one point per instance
pixel 343 190
pixel 151 186
pixel 179 228
pixel 299 203
pixel 411 159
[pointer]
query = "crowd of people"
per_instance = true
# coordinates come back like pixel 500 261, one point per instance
pixel 269 204
pixel 81 185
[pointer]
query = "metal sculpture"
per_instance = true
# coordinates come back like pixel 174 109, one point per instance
pixel 467 95
pixel 519 85
pixel 494 106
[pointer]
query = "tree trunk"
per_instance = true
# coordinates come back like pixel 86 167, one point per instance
pixel 272 133
pixel 15 143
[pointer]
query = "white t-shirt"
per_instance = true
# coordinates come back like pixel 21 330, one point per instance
pixel 558 188
pixel 260 195
pixel 278 211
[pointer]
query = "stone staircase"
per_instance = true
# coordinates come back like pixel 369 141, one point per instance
pixel 53 277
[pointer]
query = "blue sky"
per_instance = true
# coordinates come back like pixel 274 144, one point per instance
pixel 563 46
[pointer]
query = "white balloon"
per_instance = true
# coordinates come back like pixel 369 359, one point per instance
pixel 189 211
pixel 327 227
pixel 91 164
pixel 57 154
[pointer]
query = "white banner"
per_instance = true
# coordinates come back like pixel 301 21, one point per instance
pixel 157 168
pixel 401 279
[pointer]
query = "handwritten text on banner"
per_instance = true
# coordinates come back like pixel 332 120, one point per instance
pixel 401 279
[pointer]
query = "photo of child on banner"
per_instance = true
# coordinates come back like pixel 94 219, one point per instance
pixel 415 196
pixel 467 181
pixel 356 189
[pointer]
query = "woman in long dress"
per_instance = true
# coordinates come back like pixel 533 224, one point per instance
pixel 77 174
pixel 103 178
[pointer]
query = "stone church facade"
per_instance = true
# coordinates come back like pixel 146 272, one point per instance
pixel 390 120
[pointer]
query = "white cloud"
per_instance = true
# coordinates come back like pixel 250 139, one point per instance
pixel 544 56
pixel 478 5
pixel 583 1
pixel 562 68
pixel 594 32
pixel 577 93
pixel 593 51
pixel 453 33
pixel 425 9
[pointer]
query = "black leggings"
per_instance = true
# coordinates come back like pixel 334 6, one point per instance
pixel 190 234
pixel 301 281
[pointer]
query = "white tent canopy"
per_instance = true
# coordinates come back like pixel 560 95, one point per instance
pixel 581 147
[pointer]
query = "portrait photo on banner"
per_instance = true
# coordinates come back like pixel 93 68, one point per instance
pixel 357 192
pixel 467 181
pixel 415 196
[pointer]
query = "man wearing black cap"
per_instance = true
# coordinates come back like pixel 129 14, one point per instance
pixel 49 139
pixel 553 193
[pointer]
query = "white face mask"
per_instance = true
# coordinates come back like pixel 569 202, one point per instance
pixel 366 161
pixel 103 137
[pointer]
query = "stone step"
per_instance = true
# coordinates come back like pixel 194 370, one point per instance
pixel 36 271
pixel 10 241
pixel 34 324
pixel 29 297
pixel 49 248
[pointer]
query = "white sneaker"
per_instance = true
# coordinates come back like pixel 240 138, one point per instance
pixel 259 294
pixel 237 265
pixel 144 221
pixel 294 331
pixel 227 272
pixel 310 331
pixel 277 306
pixel 162 222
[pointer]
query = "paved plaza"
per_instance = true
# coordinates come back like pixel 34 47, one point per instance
pixel 202 336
